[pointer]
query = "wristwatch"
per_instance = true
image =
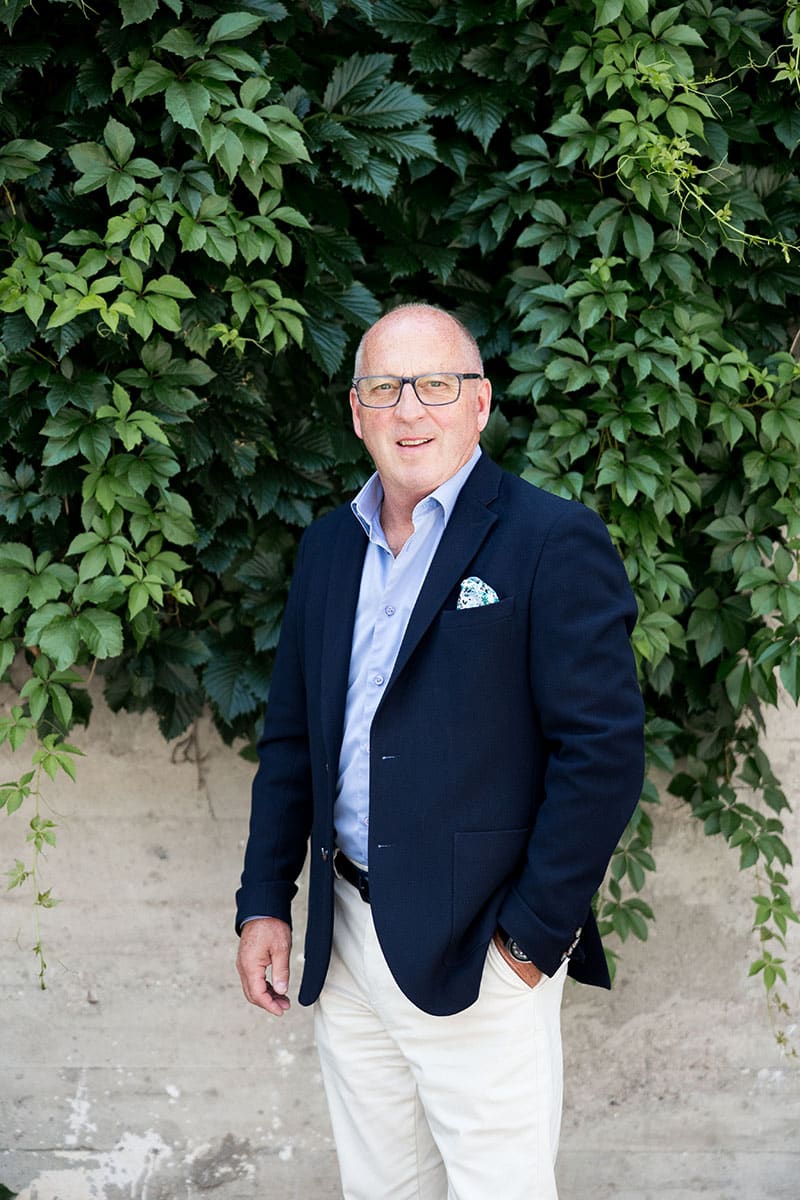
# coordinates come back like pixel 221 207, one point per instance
pixel 513 948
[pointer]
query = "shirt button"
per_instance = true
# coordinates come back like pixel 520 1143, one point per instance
pixel 378 680
pixel 389 610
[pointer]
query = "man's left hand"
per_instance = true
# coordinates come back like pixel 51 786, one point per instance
pixel 527 971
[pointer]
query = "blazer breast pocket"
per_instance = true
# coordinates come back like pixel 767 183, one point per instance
pixel 479 617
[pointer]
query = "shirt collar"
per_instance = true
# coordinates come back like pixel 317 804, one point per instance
pixel 367 504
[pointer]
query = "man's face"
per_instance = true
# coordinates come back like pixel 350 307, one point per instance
pixel 415 447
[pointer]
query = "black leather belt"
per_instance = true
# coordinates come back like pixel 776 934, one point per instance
pixel 353 874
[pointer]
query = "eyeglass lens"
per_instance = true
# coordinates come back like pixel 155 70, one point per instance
pixel 383 391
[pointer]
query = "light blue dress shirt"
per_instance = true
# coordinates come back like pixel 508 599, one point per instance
pixel 389 589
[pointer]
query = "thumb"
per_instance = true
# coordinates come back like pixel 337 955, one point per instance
pixel 280 970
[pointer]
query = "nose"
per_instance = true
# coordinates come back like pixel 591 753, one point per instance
pixel 408 404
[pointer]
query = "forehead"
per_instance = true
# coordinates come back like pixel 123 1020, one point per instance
pixel 408 344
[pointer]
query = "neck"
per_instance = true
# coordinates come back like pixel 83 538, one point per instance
pixel 397 523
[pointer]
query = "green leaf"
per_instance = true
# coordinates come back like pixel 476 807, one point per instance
pixel 15 554
pixel 119 140
pixel 13 588
pixel 355 79
pixel 136 11
pixel 187 103
pixel 181 42
pixel 233 27
pixel 94 163
pixel 790 672
pixel 607 11
pixel 591 309
pixel 59 639
pixel 482 115
pixel 102 632
pixel 165 312
pixel 94 442
pixel 20 158
pixel 7 653
pixel 224 680
pixel 573 58
pixel 151 79
pixel 638 237
pixel 327 343
pixel 169 285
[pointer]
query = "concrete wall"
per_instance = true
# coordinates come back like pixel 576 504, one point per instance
pixel 141 1073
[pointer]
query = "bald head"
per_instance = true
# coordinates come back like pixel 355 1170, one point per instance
pixel 403 319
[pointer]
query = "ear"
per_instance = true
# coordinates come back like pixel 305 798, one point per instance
pixel 484 399
pixel 355 411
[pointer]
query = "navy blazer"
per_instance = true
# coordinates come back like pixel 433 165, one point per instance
pixel 506 755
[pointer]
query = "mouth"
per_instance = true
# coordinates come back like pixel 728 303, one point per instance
pixel 411 442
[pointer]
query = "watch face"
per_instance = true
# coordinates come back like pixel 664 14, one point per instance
pixel 516 951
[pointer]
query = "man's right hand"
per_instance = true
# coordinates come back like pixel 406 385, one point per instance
pixel 265 942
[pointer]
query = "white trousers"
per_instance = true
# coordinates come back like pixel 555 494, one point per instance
pixel 464 1107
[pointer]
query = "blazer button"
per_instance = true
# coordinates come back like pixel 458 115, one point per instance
pixel 324 853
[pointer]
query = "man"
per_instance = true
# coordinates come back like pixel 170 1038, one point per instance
pixel 454 721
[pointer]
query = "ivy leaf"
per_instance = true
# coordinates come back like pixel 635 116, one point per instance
pixel 224 681
pixel 233 27
pixel 136 11
pixel 482 115
pixel 170 285
pixel 94 163
pixel 394 106
pixel 326 343
pixel 54 629
pixel 20 158
pixel 359 77
pixel 187 103
pixel 119 140
pixel 13 588
pixel 638 237
pixel 180 41
pixel 151 79
pixel 102 632
pixel 607 11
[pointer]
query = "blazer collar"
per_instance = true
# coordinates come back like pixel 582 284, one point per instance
pixel 344 581
pixel 469 524
pixel 467 528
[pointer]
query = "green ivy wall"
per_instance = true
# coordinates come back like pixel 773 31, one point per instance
pixel 204 205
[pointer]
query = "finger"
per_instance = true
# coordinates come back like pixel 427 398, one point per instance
pixel 260 992
pixel 280 970
pixel 275 1003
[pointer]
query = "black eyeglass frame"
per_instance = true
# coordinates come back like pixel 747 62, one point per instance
pixel 412 379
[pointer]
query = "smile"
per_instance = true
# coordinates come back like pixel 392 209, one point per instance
pixel 414 441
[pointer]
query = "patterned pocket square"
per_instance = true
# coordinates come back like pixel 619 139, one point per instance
pixel 475 593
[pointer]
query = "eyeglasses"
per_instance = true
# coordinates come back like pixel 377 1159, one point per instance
pixel 383 391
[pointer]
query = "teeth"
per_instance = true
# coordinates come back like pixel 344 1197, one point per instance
pixel 414 441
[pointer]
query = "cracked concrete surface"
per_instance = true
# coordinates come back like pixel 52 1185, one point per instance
pixel 141 1073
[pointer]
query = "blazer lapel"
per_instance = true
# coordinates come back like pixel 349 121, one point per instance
pixel 344 581
pixel 469 524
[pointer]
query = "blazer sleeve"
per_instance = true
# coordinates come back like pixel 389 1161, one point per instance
pixel 588 702
pixel 281 811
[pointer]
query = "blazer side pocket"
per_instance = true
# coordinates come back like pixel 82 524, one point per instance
pixel 484 863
